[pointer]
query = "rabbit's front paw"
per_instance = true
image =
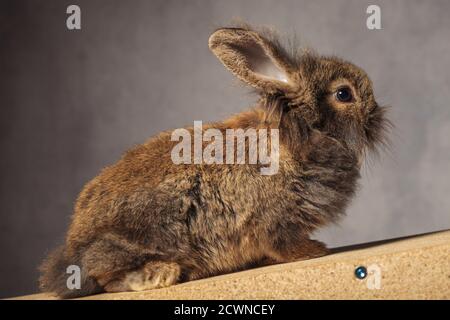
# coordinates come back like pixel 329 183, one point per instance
pixel 294 251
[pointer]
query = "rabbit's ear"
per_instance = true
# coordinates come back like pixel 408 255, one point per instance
pixel 251 58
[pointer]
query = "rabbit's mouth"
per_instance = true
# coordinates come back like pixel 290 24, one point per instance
pixel 377 127
pixel 360 161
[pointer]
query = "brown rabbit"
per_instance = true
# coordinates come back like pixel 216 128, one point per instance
pixel 146 222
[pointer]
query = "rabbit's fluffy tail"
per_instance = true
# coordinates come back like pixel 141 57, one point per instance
pixel 54 276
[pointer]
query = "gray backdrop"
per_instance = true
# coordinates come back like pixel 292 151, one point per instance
pixel 73 101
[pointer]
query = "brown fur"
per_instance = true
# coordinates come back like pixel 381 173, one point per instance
pixel 145 222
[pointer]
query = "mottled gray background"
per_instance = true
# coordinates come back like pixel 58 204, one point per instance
pixel 73 101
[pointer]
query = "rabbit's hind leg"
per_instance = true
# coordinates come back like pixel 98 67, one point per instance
pixel 153 275
pixel 118 264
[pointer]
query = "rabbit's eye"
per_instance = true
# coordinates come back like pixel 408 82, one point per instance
pixel 344 94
